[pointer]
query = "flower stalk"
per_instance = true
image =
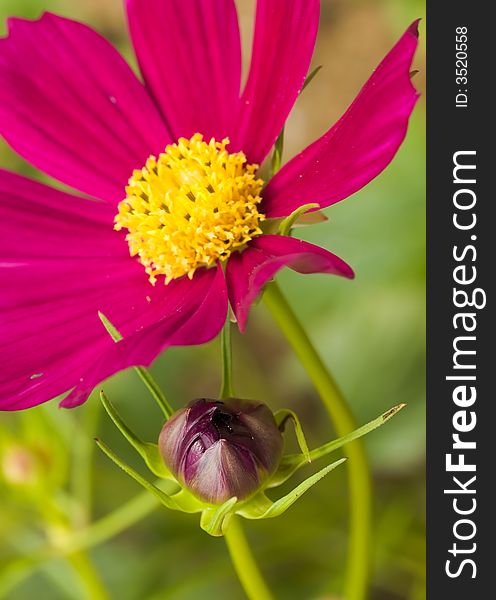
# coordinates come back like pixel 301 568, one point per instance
pixel 227 389
pixel 89 578
pixel 244 564
pixel 358 474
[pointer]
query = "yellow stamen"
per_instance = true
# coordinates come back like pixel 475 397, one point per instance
pixel 194 205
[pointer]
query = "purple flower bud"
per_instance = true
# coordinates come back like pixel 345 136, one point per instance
pixel 222 449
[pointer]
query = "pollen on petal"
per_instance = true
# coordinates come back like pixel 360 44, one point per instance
pixel 189 208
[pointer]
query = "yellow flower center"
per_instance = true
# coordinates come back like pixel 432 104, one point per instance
pixel 194 205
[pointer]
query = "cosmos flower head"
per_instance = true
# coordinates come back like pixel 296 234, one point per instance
pixel 165 227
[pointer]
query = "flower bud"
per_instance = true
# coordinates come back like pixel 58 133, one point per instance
pixel 222 449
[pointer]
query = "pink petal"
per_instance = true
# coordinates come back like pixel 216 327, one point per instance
pixel 248 271
pixel 283 44
pixel 359 146
pixel 71 106
pixel 198 320
pixel 189 53
pixel 37 221
pixel 62 264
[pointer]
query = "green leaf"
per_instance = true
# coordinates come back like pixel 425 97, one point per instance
pixel 279 145
pixel 310 76
pixel 213 520
pixel 111 329
pixel 361 431
pixel 281 506
pixel 148 452
pixel 164 498
pixel 287 223
pixel 144 374
pixel 277 155
pixel 281 416
pixel 292 462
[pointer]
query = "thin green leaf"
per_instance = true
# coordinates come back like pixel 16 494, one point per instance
pixel 310 77
pixel 279 145
pixel 155 391
pixel 277 154
pixel 213 520
pixel 292 462
pixel 148 452
pixel 111 329
pixel 280 506
pixel 287 223
pixel 361 431
pixel 153 387
pixel 282 417
pixel 165 499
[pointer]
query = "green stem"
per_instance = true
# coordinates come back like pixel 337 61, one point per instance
pixel 246 568
pixel 115 522
pixel 226 390
pixel 358 471
pixel 18 570
pixel 81 472
pixel 98 532
pixel 90 579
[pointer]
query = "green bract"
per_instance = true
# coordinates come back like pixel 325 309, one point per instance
pixel 215 518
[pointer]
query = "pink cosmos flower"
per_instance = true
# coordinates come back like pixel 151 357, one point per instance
pixel 160 207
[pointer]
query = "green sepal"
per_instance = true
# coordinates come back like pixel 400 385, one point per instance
pixel 287 223
pixel 188 503
pixel 277 508
pixel 311 218
pixel 272 226
pixel 165 499
pixel 255 507
pixel 292 462
pixel 214 520
pixel 281 416
pixel 148 452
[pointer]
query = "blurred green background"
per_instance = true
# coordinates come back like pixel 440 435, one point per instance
pixel 369 331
